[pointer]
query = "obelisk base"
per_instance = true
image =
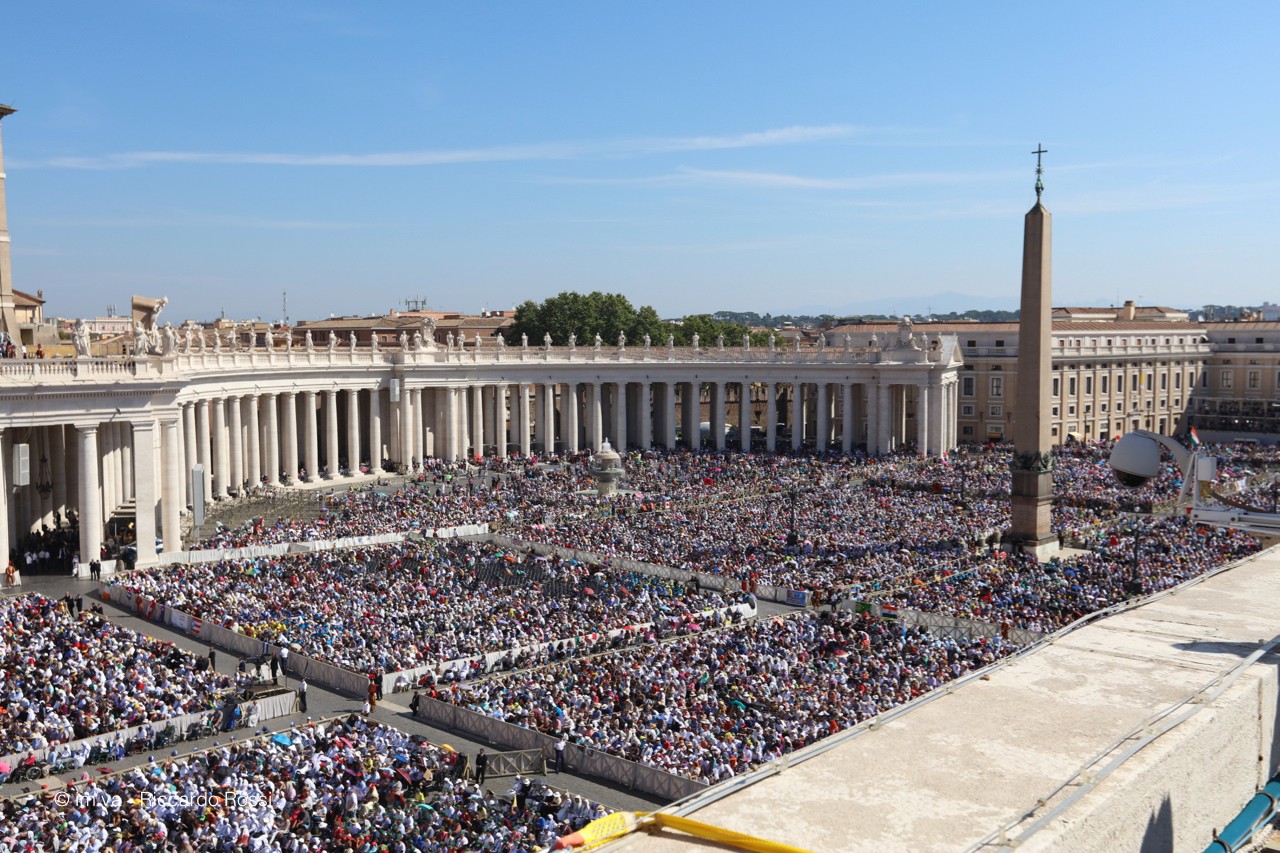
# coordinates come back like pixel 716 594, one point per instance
pixel 1031 524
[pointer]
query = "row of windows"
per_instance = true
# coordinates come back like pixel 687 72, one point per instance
pixel 996 410
pixel 972 343
pixel 1252 379
pixel 968 384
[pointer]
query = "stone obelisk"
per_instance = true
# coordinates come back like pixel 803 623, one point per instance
pixel 1032 464
pixel 8 317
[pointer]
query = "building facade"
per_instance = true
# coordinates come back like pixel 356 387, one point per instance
pixel 100 435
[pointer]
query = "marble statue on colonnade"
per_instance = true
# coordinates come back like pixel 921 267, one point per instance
pixel 80 337
pixel 168 340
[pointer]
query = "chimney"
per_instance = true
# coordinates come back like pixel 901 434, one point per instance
pixel 1128 311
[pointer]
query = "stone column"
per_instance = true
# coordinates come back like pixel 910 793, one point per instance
pixel 331 451
pixel 253 436
pixel 464 421
pixel 595 418
pixel 500 420
pixel 884 413
pixel 5 524
pixel 645 408
pixel 923 438
pixel 440 419
pixel 822 438
pixel 872 391
pixel 797 414
pixel 953 403
pixel 620 416
pixel 489 429
pixel 310 440
pixel 171 486
pixel 526 433
pixel 90 495
pixel 771 416
pixel 375 429
pixel 236 440
pixel 404 420
pixel 204 441
pixel 936 410
pixel 107 458
pixel 271 459
pixel 354 457
pixel 477 420
pixel 124 443
pixel 669 415
pixel 540 434
pixel 718 416
pixel 691 413
pixel 548 413
pixel 144 476
pixel 57 470
pixel 417 433
pixel 848 425
pixel 744 416
pixel 221 449
pixel 447 448
pixel 289 416
pixel 569 417
pixel 187 453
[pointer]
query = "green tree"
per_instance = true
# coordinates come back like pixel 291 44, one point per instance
pixel 585 316
pixel 708 329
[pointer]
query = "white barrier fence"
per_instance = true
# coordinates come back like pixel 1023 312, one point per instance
pixel 269 708
pixel 722 583
pixel 213 555
pixel 338 678
pixel 581 760
pixel 951 627
pixel 491 658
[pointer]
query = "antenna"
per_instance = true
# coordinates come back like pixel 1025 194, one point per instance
pixel 285 295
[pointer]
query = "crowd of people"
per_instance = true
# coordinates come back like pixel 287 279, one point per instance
pixel 1019 591
pixel 341 785
pixel 404 605
pixel 68 676
pixel 713 706
pixel 718 699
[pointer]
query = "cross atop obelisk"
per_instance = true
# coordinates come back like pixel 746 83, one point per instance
pixel 8 316
pixel 1032 464
pixel 1040 151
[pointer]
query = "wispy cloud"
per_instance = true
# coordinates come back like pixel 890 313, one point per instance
pixel 622 148
pixel 774 180
pixel 867 182
pixel 191 221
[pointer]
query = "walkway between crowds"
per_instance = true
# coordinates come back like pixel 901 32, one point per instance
pixel 392 710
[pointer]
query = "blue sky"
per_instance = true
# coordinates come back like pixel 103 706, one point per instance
pixel 695 156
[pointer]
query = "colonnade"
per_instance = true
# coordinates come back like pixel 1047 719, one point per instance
pixel 101 464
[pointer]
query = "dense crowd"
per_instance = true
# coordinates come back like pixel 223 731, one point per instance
pixel 347 785
pixel 1022 592
pixel 400 606
pixel 713 706
pixel 66 677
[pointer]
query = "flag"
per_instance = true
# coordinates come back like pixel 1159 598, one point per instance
pixel 888 611
pixel 1195 438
